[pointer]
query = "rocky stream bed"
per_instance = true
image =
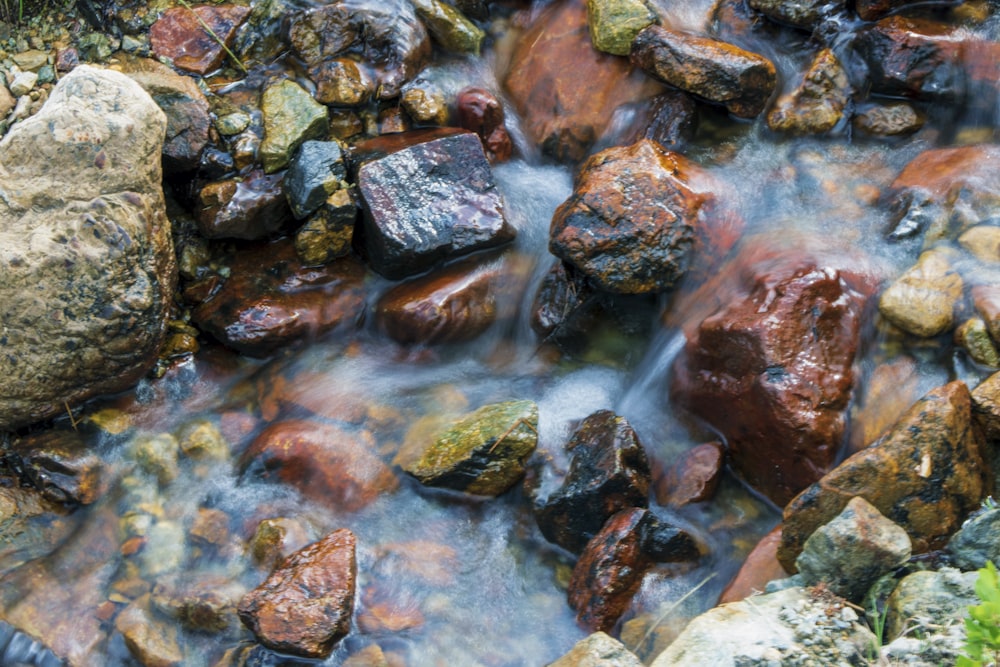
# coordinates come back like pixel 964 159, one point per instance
pixel 497 332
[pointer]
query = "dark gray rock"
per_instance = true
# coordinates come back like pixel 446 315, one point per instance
pixel 977 541
pixel 316 171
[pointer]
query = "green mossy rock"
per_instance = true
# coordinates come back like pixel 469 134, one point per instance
pixel 615 23
pixel 449 27
pixel 291 116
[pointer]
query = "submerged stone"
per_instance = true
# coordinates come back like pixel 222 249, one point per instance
pixel 315 172
pixel 694 477
pixel 922 301
pixel 817 105
pixel 57 463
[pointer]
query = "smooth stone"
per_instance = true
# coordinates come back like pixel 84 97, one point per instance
pixel 23 83
pixel 275 539
pixel 250 207
pixel 817 105
pixel 922 301
pixel 670 119
pixel 982 242
pixel 759 568
pixel 480 111
pixel 180 36
pixel 151 641
pixel 986 301
pixel 291 117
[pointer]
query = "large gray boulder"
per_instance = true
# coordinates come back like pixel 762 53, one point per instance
pixel 87 266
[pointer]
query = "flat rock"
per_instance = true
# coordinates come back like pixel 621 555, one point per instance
pixel 180 35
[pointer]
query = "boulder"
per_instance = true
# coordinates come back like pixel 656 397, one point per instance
pixel 771 369
pixel 180 35
pixel 85 246
pixel 305 606
pixel 817 105
pixel 926 474
pixel 429 196
pixel 252 206
pixel 598 650
pixel 694 477
pixel 711 69
pixel 291 117
pixel 923 300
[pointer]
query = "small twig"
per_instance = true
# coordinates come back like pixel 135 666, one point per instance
pixel 72 420
pixel 521 421
pixel 214 36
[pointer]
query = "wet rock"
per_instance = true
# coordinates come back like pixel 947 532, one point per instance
pixel 180 35
pixel 641 242
pixel 598 650
pixel 85 246
pixel 203 441
pixel 711 69
pixel 483 453
pixel 924 617
pixel 986 300
pixel 565 90
pixel 926 474
pixel 57 463
pixel 156 455
pixel 305 605
pixel 771 368
pixel 316 171
pixel 560 302
pixel 185 106
pixel 249 207
pixel 615 23
pixel 853 550
pixel 328 464
pixel 888 120
pixel 873 10
pixel 255 312
pixel 805 14
pixel 449 27
pixel 201 602
pixel 986 407
pixel 973 336
pixel 788 627
pixel 694 477
pixel 329 232
pixel 608 472
pixel 670 119
pixel 977 541
pixel 481 112
pixel 274 539
pixel 760 567
pixel 391 39
pixel 922 301
pixel 291 117
pixel 429 195
pixel 426 106
pixel 262 36
pixel 152 642
pixel 817 105
pixel 982 242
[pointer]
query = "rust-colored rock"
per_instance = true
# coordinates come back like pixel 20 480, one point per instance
pixel 694 477
pixel 255 311
pixel 817 105
pixel 566 90
pixel 249 207
pixel 59 464
pixel 481 112
pixel 927 474
pixel 709 68
pixel 326 463
pixel 180 35
pixel 305 606
pixel 761 566
pixel 771 369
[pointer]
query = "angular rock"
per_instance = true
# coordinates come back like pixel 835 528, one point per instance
pixel 598 650
pixel 926 474
pixel 888 120
pixel 817 105
pixel 328 464
pixel 986 407
pixel 256 312
pixel 806 14
pixel 853 550
pixel 977 541
pixel 180 35
pixel 771 369
pixel 305 605
pixel 483 453
pixel 694 477
pixel 57 463
pixel 291 117
pixel 481 112
pixel 85 247
pixel 643 241
pixel 615 23
pixel 923 300
pixel 429 195
pixel 608 472
pixel 449 27
pixel 565 90
pixel 986 300
pixel 329 232
pixel 760 567
pixel 426 106
pixel 152 642
pixel 716 71
pixel 924 617
pixel 393 42
pixel 250 207
pixel 316 171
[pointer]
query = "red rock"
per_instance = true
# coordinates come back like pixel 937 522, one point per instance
pixel 481 112
pixel 305 606
pixel 67 59
pixel 250 207
pixel 327 464
pixel 761 566
pixel 180 36
pixel 694 477
pixel 565 90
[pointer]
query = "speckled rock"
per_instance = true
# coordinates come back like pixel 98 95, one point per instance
pixel 180 36
pixel 615 23
pixel 85 246
pixel 817 105
pixel 922 301
pixel 888 120
pixel 449 27
pixel 977 541
pixel 598 650
pixel 291 117
pixel 483 453
pixel 974 337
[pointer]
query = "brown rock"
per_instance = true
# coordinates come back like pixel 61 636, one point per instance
pixel 888 393
pixel 481 112
pixel 180 35
pixel 305 606
pixel 986 407
pixel 670 119
pixel 761 566
pixel 249 207
pixel 60 464
pixel 771 369
pixel 151 642
pixel 817 105
pixel 327 464
pixel 256 311
pixel 711 69
pixel 873 10
pixel 927 474
pixel 277 538
pixel 693 478
pixel 986 299
pixel 888 120
pixel 563 88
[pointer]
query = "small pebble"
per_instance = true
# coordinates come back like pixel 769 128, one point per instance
pixel 23 83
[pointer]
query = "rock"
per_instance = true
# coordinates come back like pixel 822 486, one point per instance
pixel 255 312
pixel 291 117
pixel 274 539
pixel 23 83
pixel 201 602
pixel 394 44
pixel 873 10
pixel 643 242
pixel 615 23
pixel 263 36
pixel 982 242
pixel 85 247
pixel 711 69
pixel 481 112
pixel 7 102
pixel 316 171
pixel 329 232
pixel 760 567
pixel 561 303
pixel 977 541
pixel 817 105
pixel 922 301
pixel 598 650
pixel 986 299
pixel 483 453
pixel 694 477
pixel 986 407
pixel 232 124
pixel 888 120
pixel 853 550
pixel 973 336
pixel 806 14
pixel 670 119
pixel 326 463
pixel 33 59
pixel 57 463
pixel 425 105
pixel 209 530
pixel 789 627
pixel 151 642
pixel 565 90
pixel 429 196
pixel 202 440
pixel 180 35
pixel 305 606
pixel 185 106
pixel 926 474
pixel 608 472
pixel 449 27
pixel 249 207
pixel 771 369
